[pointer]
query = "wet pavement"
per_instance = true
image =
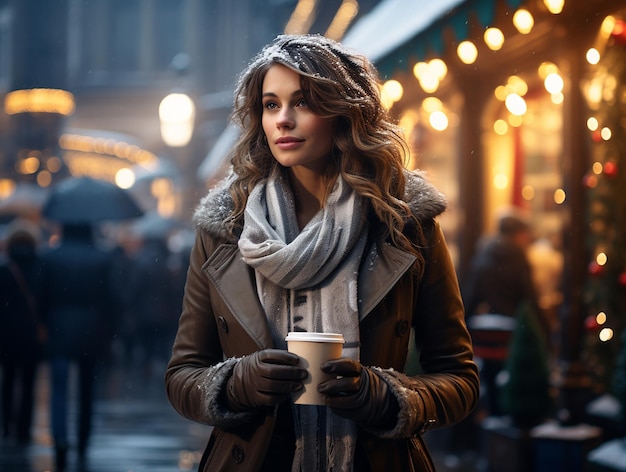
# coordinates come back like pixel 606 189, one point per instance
pixel 135 429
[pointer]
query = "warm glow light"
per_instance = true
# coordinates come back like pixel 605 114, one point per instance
pixel 601 258
pixel 438 120
pixel 592 123
pixel 54 164
pixel 467 52
pixel 601 318
pixel 547 68
pixel 606 334
pixel 39 100
pixel 516 85
pixel 597 168
pixel 44 178
pixel 125 178
pixel 528 192
pixel 429 83
pixel 119 149
pixel 419 69
pixel 302 18
pixel 605 133
pixel 438 67
pixel 161 187
pixel 346 12
pixel 29 165
pixel 554 6
pixel 557 98
pixel 592 56
pixel 500 181
pixel 515 120
pixel 7 187
pixel 429 74
pixel 559 196
pixel 607 26
pixel 515 104
pixel 393 89
pixel 494 38
pixel 593 91
pixel 431 104
pixel 553 83
pixel 500 92
pixel 500 127
pixel 177 114
pixel 523 21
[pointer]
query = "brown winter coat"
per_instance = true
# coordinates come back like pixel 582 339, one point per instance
pixel 222 319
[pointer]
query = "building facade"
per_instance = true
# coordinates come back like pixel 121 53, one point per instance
pixel 520 103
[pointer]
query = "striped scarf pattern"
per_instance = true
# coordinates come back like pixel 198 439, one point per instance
pixel 307 281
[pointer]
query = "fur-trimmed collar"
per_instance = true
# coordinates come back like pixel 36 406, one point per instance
pixel 424 200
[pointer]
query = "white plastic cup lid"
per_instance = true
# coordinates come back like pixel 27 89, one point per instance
pixel 315 337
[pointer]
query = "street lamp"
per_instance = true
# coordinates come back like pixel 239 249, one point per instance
pixel 177 114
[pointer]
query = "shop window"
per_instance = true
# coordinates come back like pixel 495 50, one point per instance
pixel 432 131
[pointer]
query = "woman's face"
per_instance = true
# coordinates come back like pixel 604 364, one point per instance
pixel 297 137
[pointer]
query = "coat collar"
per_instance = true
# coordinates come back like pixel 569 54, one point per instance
pixel 424 200
pixel 382 267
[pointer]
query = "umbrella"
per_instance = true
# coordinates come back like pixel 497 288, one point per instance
pixel 84 200
pixel 26 199
pixel 154 226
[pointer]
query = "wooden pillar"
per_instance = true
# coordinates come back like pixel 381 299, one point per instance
pixel 471 169
pixel 574 383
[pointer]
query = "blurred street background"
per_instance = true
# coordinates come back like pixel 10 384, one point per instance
pixel 135 429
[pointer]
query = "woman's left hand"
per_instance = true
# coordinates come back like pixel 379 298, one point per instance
pixel 358 393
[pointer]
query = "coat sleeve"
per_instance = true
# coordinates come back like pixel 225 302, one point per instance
pixel 446 389
pixel 197 370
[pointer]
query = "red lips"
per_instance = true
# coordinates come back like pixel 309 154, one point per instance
pixel 288 139
pixel 288 142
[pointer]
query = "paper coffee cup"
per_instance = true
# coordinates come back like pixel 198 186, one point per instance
pixel 314 349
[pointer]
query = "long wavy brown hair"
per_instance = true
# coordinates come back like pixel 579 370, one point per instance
pixel 369 149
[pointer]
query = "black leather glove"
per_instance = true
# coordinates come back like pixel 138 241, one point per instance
pixel 359 394
pixel 264 379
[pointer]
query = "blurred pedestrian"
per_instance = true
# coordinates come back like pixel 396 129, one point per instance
pixel 21 330
pixel 153 301
pixel 499 281
pixel 500 275
pixel 320 228
pixel 77 303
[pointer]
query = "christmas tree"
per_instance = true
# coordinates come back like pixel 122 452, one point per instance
pixel 605 289
pixel 525 393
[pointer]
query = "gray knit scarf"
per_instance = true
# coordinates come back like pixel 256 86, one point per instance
pixel 307 281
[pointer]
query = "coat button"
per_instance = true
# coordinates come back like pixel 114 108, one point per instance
pixel 221 322
pixel 402 327
pixel 238 454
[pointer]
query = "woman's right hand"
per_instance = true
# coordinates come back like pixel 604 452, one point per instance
pixel 264 379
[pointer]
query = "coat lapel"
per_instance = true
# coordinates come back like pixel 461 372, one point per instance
pixel 380 271
pixel 235 282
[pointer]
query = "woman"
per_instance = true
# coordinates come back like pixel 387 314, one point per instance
pixel 319 228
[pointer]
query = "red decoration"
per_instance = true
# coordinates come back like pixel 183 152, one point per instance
pixel 595 269
pixel 621 279
pixel 590 181
pixel 610 169
pixel 596 136
pixel 619 31
pixel 591 324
